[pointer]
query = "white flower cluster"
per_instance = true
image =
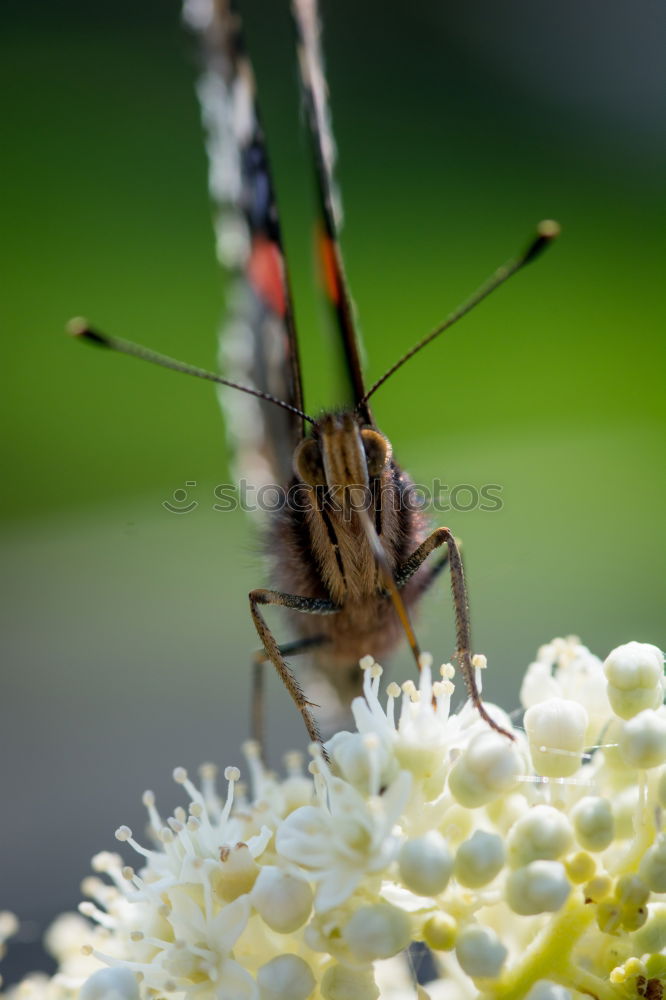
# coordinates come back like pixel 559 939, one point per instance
pixel 529 868
pixel 64 941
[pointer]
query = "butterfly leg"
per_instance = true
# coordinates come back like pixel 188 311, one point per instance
pixel 258 714
pixel 439 537
pixel 308 605
pixel 408 569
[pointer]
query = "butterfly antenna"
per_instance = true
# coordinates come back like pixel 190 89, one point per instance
pixel 546 233
pixel 81 329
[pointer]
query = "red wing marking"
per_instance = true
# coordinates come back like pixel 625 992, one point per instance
pixel 329 267
pixel 265 272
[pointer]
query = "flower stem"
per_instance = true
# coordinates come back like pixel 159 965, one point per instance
pixel 549 957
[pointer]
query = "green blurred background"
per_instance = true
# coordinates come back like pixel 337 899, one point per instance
pixel 126 632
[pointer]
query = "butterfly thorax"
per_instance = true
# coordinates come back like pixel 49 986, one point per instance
pixel 342 469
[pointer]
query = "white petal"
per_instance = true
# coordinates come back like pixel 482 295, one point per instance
pixel 235 983
pixel 229 924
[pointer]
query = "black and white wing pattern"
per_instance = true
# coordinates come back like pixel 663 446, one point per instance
pixel 258 344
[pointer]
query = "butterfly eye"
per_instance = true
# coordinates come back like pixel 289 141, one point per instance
pixel 308 464
pixel 377 451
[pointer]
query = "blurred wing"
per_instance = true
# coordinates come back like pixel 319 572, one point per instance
pixel 258 345
pixel 314 91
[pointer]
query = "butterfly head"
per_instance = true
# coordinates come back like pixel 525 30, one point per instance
pixel 342 452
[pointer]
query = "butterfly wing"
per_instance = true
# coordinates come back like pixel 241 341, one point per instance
pixel 314 94
pixel 258 344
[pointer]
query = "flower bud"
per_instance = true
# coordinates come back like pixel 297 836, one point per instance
pixel 635 674
pixel 480 952
pixel 285 977
pixel 350 753
pixel 556 735
pixel 440 932
pixel 655 968
pixel 282 900
pixel 543 834
pixel 598 888
pixel 457 823
pixel 540 887
pixel 479 859
pixel 504 812
pixel 609 916
pixel 633 917
pixel 9 924
pixel 652 868
pixel 642 741
pixel 544 989
pixel 489 766
pixel 115 983
pixel 425 864
pixel 377 931
pixel 63 938
pixel 652 936
pixel 580 867
pixel 631 889
pixel 342 983
pixel 594 823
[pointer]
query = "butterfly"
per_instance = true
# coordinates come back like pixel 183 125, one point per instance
pixel 350 551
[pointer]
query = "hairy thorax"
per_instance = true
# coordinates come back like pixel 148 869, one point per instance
pixel 320 550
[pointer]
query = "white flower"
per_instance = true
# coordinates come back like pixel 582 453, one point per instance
pixel 199 918
pixel 345 838
pixel 535 876
pixel 64 940
pixel 422 737
pixel 565 668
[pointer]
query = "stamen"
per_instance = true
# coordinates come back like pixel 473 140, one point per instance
pixel 371 743
pixel 104 919
pixel 293 764
pixel 392 693
pixel 258 775
pixel 425 661
pixel 231 774
pixel 208 775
